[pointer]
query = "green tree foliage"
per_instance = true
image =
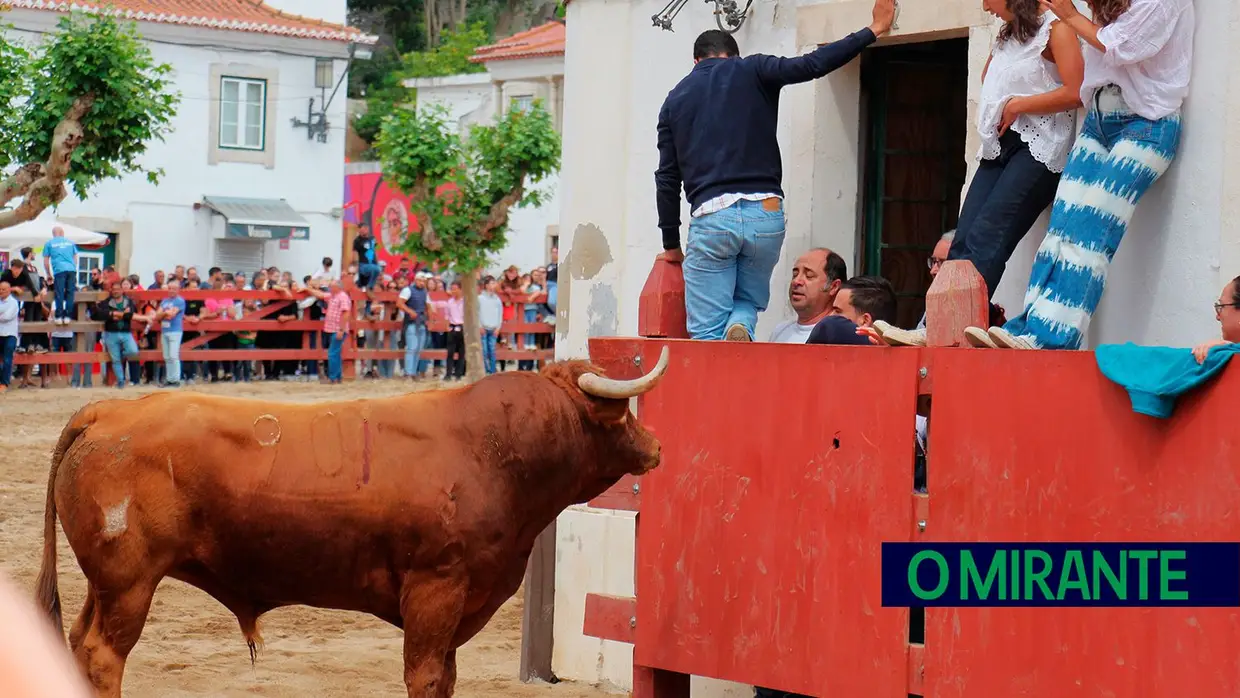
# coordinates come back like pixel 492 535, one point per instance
pixel 462 188
pixel 81 108
pixel 451 57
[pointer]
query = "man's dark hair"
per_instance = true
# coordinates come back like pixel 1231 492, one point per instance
pixel 836 268
pixel 17 264
pixel 27 251
pixel 873 295
pixel 715 44
pixel 213 271
pixel 327 261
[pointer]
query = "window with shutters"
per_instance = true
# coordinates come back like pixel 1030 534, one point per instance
pixel 243 113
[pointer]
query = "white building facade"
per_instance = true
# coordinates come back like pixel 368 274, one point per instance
pixel 1183 246
pixel 521 69
pixel 244 185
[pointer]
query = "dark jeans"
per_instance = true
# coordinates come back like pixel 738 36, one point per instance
pixel 456 354
pixel 214 368
pixel 66 282
pixel 7 346
pixel 1004 201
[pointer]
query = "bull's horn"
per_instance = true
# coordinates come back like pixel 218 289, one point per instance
pixel 598 386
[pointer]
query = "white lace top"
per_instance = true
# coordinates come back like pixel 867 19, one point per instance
pixel 1019 70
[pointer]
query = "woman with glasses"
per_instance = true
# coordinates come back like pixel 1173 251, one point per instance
pixel 1031 89
pixel 1138 61
pixel 1227 310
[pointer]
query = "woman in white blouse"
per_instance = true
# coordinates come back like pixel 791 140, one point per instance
pixel 1026 118
pixel 1138 57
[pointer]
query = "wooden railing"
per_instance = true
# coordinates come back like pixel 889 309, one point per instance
pixel 261 319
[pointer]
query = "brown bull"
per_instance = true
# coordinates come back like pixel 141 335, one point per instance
pixel 421 510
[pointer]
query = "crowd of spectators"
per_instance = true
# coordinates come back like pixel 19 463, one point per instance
pixel 130 325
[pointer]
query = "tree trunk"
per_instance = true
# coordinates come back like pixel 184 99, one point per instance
pixel 41 186
pixel 475 370
pixel 431 18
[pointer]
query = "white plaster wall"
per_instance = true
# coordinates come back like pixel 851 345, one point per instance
pixel 1182 249
pixel 308 174
pixel 469 100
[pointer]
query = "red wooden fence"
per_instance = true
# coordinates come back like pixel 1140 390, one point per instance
pixel 785 468
pixel 274 303
pixel 759 536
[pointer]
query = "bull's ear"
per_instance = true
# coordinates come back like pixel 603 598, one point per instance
pixel 606 410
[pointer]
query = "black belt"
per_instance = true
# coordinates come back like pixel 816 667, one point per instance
pixel 456 328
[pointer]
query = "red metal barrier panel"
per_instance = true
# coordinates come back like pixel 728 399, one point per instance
pixel 784 468
pixel 1040 446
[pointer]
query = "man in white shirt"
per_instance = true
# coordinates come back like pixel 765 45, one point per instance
pixel 9 332
pixel 816 278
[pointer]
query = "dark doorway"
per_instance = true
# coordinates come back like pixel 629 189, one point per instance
pixel 916 119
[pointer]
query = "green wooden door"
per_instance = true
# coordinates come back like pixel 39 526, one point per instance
pixel 916 123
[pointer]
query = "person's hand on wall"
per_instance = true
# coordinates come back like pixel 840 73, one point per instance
pixel 34 662
pixel 884 16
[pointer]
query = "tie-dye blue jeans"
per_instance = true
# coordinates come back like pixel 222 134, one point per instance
pixel 1116 159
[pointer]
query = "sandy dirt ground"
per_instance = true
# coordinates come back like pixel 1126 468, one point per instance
pixel 191 645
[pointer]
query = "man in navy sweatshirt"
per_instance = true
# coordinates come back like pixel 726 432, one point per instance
pixel 717 139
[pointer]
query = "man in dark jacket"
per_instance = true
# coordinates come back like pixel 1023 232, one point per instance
pixel 717 139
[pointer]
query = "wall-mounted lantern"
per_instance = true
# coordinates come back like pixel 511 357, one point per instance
pixel 316 123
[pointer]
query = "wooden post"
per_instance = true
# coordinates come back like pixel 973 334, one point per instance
pixel 538 619
pixel 661 308
pixel 956 300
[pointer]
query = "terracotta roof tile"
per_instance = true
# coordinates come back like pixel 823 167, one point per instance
pixel 544 40
pixel 233 15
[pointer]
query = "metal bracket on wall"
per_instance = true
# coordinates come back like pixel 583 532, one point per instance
pixel 729 16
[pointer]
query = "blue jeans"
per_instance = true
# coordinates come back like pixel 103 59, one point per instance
pixel 488 349
pixel 387 367
pixel 1116 159
pixel 729 257
pixel 311 366
pixel 552 293
pixel 7 346
pixel 60 345
pixel 531 315
pixel 368 275
pixel 65 286
pixel 333 358
pixel 415 341
pixel 82 372
pixel 172 355
pixel 120 346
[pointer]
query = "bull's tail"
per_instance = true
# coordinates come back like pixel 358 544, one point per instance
pixel 47 587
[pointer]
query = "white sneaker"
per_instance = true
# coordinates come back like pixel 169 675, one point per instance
pixel 738 333
pixel 979 339
pixel 896 337
pixel 1007 340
